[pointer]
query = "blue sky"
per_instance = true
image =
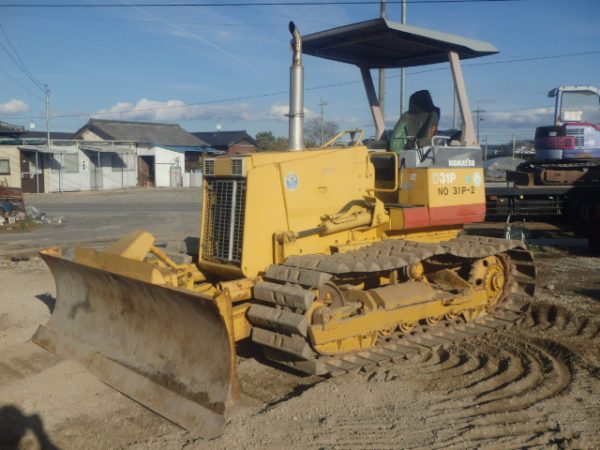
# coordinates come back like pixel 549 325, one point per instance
pixel 143 63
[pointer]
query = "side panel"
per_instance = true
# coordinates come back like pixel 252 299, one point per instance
pixel 451 196
pixel 293 195
pixel 322 184
pixel 265 215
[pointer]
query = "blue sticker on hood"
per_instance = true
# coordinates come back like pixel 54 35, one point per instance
pixel 292 181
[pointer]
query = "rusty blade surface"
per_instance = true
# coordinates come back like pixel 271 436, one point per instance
pixel 166 348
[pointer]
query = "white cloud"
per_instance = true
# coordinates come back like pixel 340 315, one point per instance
pixel 521 118
pixel 280 111
pixel 176 110
pixel 13 106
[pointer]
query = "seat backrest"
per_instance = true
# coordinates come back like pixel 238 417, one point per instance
pixel 418 125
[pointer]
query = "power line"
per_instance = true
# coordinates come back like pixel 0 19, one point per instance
pixel 118 19
pixel 20 84
pixel 506 61
pixel 314 88
pixel 18 60
pixel 238 4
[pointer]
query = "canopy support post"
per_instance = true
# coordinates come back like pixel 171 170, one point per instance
pixel 468 133
pixel 373 102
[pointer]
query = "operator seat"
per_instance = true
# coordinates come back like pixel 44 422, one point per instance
pixel 418 125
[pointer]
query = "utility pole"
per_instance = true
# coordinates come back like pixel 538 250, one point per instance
pixel 383 14
pixel 37 157
pixel 514 142
pixel 47 92
pixel 322 105
pixel 402 70
pixel 478 113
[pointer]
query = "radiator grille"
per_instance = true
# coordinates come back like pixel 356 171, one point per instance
pixel 223 232
pixel 578 133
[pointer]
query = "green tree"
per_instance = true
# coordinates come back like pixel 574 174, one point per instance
pixel 266 142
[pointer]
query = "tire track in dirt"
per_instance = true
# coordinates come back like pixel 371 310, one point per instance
pixel 22 361
pixel 496 392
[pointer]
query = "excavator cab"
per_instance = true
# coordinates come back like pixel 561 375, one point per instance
pixel 575 134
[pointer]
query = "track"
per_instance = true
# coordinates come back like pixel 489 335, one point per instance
pixel 521 388
pixel 590 171
pixel 281 319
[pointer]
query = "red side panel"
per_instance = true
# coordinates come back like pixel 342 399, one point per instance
pixel 552 142
pixel 416 217
pixel 423 217
pixel 453 215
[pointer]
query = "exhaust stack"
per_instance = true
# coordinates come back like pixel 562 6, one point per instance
pixel 296 114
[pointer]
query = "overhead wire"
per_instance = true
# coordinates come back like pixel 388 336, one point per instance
pixel 119 19
pixel 20 84
pixel 240 4
pixel 324 86
pixel 18 60
pixel 21 65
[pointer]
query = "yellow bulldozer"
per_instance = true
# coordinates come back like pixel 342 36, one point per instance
pixel 326 259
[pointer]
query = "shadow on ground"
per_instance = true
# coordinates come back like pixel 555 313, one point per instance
pixel 48 300
pixel 19 431
pixel 593 293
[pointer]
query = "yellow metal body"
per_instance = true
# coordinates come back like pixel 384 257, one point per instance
pixel 272 208
pixel 290 192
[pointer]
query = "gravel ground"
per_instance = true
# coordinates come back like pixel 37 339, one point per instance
pixel 535 386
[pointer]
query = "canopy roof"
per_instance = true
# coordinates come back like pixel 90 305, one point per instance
pixel 100 148
pixel 50 150
pixel 381 43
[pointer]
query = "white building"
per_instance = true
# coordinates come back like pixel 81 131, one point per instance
pixel 165 154
pixel 103 154
pixel 70 165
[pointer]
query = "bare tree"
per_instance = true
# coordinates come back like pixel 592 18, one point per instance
pixel 317 132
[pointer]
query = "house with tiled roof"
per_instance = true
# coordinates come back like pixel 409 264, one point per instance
pixel 26 161
pixel 10 175
pixel 232 142
pixel 165 154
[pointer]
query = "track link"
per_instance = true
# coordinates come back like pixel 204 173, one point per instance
pixel 283 300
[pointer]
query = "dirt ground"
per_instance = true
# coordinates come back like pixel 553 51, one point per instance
pixel 100 217
pixel 535 386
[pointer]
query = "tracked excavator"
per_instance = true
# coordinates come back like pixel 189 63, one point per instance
pixel 327 259
pixel 567 152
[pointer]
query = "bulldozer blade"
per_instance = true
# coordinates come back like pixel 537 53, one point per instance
pixel 167 348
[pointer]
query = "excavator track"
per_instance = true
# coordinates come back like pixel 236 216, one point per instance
pixel 281 314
